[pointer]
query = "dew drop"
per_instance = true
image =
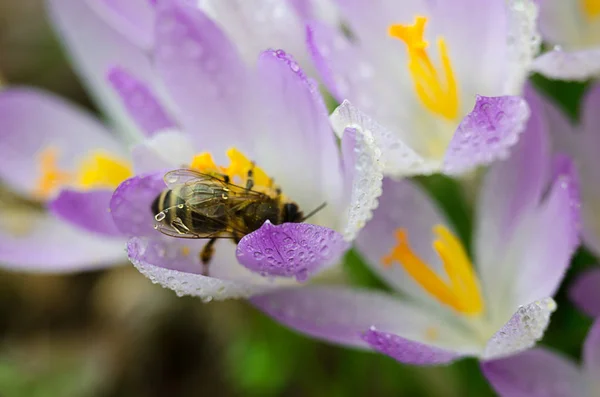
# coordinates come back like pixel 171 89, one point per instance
pixel 180 206
pixel 172 178
pixel 207 299
pixel 159 217
pixel 258 255
pixel 268 251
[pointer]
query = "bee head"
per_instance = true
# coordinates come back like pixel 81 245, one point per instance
pixel 292 213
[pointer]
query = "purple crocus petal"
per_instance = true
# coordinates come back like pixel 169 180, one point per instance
pixel 510 191
pixel 343 315
pixel 576 65
pixel 131 202
pixel 535 373
pixel 169 149
pixel 292 103
pixel 396 157
pixel 407 351
pixel 585 292
pixel 87 210
pixel 203 74
pixel 31 121
pixel 50 245
pixel 290 250
pixel 95 47
pixel 522 331
pixel 542 248
pixel 335 58
pixel 134 19
pixel 167 264
pixel 487 133
pixel 364 176
pixel 591 351
pixel 141 103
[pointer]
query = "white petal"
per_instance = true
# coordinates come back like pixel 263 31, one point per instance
pixel 397 158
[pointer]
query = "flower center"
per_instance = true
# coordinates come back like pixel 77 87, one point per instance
pixel 591 8
pixel 240 167
pixel 436 89
pixel 461 292
pixel 98 169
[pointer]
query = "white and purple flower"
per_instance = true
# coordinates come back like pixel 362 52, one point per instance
pixel 541 372
pixel 58 155
pixel 270 113
pixel 526 231
pixel 442 78
pixel 572 29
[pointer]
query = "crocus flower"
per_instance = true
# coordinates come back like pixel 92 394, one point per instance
pixel 541 372
pixel 526 232
pixel 55 154
pixel 270 113
pixel 441 78
pixel 572 30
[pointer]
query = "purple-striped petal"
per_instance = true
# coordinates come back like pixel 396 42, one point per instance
pixel 487 133
pixel 143 106
pixel 335 58
pixel 522 331
pixel 513 187
pixel 577 65
pixel 49 245
pixel 87 210
pixel 295 129
pixel 94 47
pixel 203 74
pixel 290 250
pixel 134 19
pixel 535 373
pixel 131 202
pixel 365 175
pixel 591 352
pixel 32 121
pixel 542 248
pixel 168 263
pixel 343 315
pixel 407 351
pixel 585 292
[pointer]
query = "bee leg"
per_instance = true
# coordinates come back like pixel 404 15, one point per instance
pixel 250 177
pixel 206 255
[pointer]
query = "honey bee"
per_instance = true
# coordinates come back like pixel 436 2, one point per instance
pixel 209 206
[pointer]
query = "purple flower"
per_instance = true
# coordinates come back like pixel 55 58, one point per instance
pixel 229 113
pixel 441 78
pixel 573 29
pixel 542 372
pixel 56 154
pixel 526 231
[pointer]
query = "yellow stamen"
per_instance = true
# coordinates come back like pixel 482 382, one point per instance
pixel 439 94
pixel 237 171
pixel 100 170
pixel 462 291
pixel 96 170
pixel 185 250
pixel 52 177
pixel 591 8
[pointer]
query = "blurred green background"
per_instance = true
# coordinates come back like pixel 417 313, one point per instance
pixel 113 333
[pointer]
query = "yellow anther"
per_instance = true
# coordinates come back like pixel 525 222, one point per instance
pixel 100 170
pixel 462 291
pixel 437 91
pixel 204 162
pixel 51 177
pixel 240 165
pixel 591 8
pixel 96 170
pixel 185 250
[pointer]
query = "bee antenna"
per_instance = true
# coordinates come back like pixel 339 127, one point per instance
pixel 313 212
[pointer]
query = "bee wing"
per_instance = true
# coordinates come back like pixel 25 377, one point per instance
pixel 184 176
pixel 168 230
